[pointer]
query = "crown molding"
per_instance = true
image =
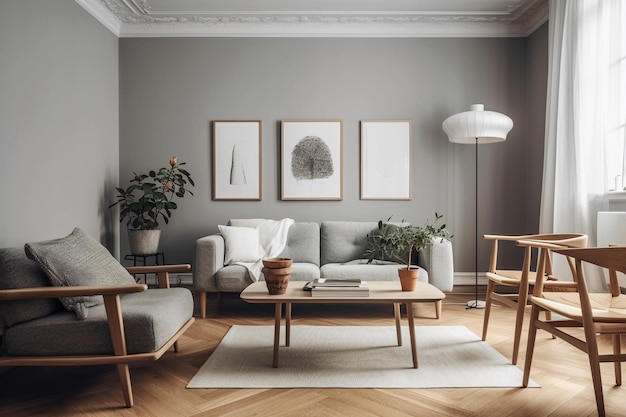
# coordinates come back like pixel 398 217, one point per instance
pixel 133 18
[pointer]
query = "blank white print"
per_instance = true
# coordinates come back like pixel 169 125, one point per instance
pixel 386 160
pixel 237 169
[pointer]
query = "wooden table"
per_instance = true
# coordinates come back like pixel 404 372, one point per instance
pixel 386 292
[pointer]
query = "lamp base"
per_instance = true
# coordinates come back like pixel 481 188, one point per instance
pixel 475 304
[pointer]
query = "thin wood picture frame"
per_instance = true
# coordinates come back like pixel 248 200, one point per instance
pixel 237 166
pixel 311 166
pixel 386 159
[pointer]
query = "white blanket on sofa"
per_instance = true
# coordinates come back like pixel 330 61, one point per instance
pixel 272 241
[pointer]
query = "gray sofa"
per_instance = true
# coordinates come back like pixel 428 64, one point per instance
pixel 333 249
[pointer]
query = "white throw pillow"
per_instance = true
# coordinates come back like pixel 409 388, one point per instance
pixel 242 244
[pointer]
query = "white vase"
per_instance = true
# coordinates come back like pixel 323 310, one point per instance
pixel 144 242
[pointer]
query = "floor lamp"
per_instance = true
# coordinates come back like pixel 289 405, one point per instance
pixel 476 127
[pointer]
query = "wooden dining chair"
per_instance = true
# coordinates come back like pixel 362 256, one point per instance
pixel 519 281
pixel 596 313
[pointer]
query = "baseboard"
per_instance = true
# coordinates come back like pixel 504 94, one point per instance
pixel 469 278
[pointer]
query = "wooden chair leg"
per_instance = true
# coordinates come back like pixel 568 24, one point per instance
pixel 594 364
pixel 127 390
pixel 617 349
pixel 203 304
pixel 548 318
pixel 438 307
pixel 530 346
pixel 490 289
pixel 519 320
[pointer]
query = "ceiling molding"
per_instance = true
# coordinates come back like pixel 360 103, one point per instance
pixel 134 18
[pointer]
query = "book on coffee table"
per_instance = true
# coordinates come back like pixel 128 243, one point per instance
pixel 336 282
pixel 350 290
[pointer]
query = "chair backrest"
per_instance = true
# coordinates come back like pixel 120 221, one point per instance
pixel 551 243
pixel 563 240
pixel 574 240
pixel 17 271
pixel 612 258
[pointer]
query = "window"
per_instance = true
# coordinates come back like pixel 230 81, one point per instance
pixel 615 122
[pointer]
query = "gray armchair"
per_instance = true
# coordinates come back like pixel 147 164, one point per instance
pixel 118 322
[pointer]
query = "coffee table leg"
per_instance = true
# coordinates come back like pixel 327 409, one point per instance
pixel 287 323
pixel 409 313
pixel 277 316
pixel 396 314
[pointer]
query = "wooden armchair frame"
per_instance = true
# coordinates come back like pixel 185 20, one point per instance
pixel 524 278
pixel 595 313
pixel 111 294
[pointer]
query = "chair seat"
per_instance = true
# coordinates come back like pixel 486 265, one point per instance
pixel 510 277
pixel 151 318
pixel 605 308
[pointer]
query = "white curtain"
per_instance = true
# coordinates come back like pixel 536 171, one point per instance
pixel 584 36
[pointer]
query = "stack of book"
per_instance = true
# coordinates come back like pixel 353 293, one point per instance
pixel 325 287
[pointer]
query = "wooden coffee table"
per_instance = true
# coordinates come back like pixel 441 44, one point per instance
pixel 380 293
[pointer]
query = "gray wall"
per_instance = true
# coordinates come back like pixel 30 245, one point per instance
pixel 59 130
pixel 171 89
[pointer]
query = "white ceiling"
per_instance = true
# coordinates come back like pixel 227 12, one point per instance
pixel 354 18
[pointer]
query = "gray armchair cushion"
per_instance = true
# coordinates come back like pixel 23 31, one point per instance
pixel 17 271
pixel 78 260
pixel 150 318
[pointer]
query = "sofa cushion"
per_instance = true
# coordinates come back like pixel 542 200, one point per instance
pixel 304 271
pixel 241 244
pixel 78 260
pixel 303 243
pixel 232 278
pixel 344 241
pixel 359 268
pixel 17 271
pixel 151 318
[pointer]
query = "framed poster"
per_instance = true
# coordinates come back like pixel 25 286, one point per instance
pixel 237 160
pixel 385 159
pixel 311 159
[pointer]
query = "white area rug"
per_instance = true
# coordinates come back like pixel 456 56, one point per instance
pixel 356 357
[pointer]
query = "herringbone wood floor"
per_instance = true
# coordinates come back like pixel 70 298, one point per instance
pixel 159 388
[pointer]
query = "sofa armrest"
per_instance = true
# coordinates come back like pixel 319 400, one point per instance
pixel 208 259
pixel 440 264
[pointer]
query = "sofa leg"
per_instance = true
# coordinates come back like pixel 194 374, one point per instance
pixel 127 390
pixel 203 304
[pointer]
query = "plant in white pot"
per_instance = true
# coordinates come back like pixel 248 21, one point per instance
pixel 148 200
pixel 399 242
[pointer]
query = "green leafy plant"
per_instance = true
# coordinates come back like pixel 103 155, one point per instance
pixel 398 241
pixel 150 196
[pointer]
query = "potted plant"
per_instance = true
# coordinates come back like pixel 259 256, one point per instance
pixel 148 200
pixel 398 242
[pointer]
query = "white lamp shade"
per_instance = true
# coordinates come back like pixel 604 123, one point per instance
pixel 477 125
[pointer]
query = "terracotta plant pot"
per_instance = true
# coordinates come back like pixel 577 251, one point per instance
pixel 408 278
pixel 277 272
pixel 277 262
